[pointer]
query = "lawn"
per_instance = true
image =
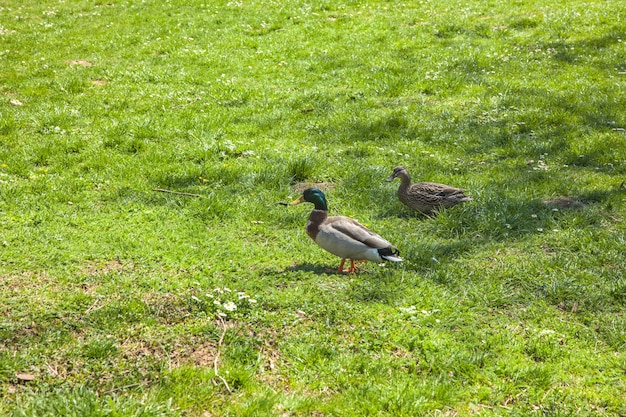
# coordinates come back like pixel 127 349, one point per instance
pixel 117 299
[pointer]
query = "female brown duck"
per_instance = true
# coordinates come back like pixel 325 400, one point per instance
pixel 426 197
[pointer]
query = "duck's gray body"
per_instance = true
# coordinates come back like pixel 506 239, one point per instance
pixel 349 239
pixel 343 236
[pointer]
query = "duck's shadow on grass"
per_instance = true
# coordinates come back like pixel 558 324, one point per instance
pixel 318 269
pixel 403 213
pixel 321 269
pixel 463 230
pixel 302 267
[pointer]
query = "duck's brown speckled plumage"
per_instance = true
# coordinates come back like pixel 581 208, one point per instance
pixel 426 197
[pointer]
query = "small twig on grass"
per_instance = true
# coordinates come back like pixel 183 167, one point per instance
pixel 94 307
pixel 217 355
pixel 52 370
pixel 548 392
pixel 161 190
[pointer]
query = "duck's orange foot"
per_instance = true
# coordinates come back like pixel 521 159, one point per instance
pixel 340 270
pixel 350 270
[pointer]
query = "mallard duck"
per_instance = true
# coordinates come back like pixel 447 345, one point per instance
pixel 426 197
pixel 343 236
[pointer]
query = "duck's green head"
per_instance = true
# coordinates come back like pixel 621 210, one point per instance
pixel 315 196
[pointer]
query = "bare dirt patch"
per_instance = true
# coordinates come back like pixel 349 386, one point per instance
pixel 204 355
pixel 80 62
pixel 324 186
pixel 171 308
pixel 103 267
pixel 192 352
pixel 564 203
pixel 18 283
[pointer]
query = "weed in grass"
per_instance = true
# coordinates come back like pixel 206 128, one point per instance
pixel 301 170
pixel 224 303
pixel 99 349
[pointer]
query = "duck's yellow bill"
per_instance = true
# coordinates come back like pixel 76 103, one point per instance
pixel 297 201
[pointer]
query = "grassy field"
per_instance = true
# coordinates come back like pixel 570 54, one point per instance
pixel 512 304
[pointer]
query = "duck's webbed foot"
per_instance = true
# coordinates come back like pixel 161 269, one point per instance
pixel 350 270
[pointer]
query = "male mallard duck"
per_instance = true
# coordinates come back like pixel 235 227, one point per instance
pixel 343 236
pixel 426 197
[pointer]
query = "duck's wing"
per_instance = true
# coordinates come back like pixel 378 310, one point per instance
pixel 347 238
pixel 349 230
pixel 435 189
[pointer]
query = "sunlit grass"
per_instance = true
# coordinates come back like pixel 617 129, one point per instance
pixel 121 300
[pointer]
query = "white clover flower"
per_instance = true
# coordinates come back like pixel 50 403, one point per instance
pixel 409 310
pixel 217 303
pixel 230 306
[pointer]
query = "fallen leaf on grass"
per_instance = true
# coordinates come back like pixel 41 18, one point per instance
pixel 25 377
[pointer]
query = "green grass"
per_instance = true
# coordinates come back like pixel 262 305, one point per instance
pixel 503 306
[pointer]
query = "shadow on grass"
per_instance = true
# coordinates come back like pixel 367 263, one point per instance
pixel 317 269
pixel 363 269
pixel 597 196
pixel 402 212
pixel 178 181
pixel 302 267
pixel 496 219
pixel 567 51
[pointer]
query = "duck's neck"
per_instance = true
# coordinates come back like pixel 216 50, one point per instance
pixel 405 180
pixel 316 219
